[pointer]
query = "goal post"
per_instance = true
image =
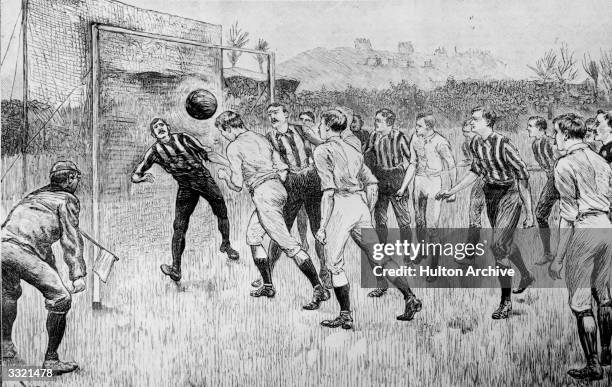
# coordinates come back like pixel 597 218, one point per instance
pixel 189 63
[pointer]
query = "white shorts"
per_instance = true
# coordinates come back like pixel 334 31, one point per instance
pixel 588 262
pixel 270 198
pixel 426 207
pixel 350 213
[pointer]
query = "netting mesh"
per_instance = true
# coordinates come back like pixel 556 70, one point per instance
pixel 139 78
pixel 142 78
pixel 59 63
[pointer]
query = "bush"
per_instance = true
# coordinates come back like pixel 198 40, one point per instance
pixel 452 103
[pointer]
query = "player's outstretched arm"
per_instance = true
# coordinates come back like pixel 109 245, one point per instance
pixel 204 151
pixel 71 239
pixel 366 177
pixel 513 158
pixel 145 177
pixel 224 175
pixel 566 231
pixel 465 182
pixel 324 163
pixel 217 158
pixel 233 177
pixel 312 136
pixel 327 206
pixel 410 162
pixel 371 196
pixel 279 165
pixel 446 154
pixel 408 176
pixel 139 175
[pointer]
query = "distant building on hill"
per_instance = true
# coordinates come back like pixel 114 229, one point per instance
pixel 401 58
pixel 363 44
pixel 441 51
pixel 405 48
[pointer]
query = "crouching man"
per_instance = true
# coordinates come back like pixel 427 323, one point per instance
pixel 45 216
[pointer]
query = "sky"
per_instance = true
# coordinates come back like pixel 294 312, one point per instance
pixel 517 32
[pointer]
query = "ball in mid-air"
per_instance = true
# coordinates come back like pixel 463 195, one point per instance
pixel 201 104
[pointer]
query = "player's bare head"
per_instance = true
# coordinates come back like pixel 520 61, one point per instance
pixel 567 127
pixel 425 121
pixel 384 119
pixel 335 120
pixel 603 125
pixel 277 113
pixel 230 124
pixel 307 117
pixel 536 125
pixel 357 123
pixel 590 123
pixel 483 117
pixel 466 128
pixel 605 116
pixel 539 122
pixel 159 128
pixel 591 128
pixel 65 174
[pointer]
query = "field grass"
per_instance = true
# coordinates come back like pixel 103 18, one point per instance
pixel 210 332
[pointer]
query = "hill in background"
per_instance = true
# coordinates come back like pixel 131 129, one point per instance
pixel 364 67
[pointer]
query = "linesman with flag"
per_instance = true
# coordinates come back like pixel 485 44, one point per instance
pixel 45 216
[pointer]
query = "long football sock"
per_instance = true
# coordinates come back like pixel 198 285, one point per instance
pixel 343 296
pixel 56 326
pixel 309 270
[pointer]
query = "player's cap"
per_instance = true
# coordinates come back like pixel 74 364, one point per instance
pixel 64 166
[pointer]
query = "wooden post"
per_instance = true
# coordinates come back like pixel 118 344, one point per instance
pixel 95 100
pixel 25 136
pixel 271 75
pixel 222 87
pixel 95 186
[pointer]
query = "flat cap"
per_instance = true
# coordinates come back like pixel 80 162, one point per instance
pixel 64 166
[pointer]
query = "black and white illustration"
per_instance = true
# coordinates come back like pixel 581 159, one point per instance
pixel 309 193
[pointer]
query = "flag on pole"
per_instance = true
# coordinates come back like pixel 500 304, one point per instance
pixel 104 264
pixel 105 260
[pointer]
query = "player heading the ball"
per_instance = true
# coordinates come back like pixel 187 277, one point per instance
pixel 183 156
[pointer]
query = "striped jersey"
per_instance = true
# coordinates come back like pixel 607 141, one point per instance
pixel 294 150
pixel 183 153
pixel 465 148
pixel 497 160
pixel 391 149
pixel 543 150
pixel 606 152
pixel 363 136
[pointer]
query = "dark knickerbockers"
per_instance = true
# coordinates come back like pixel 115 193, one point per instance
pixel 545 155
pixel 499 164
pixel 182 156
